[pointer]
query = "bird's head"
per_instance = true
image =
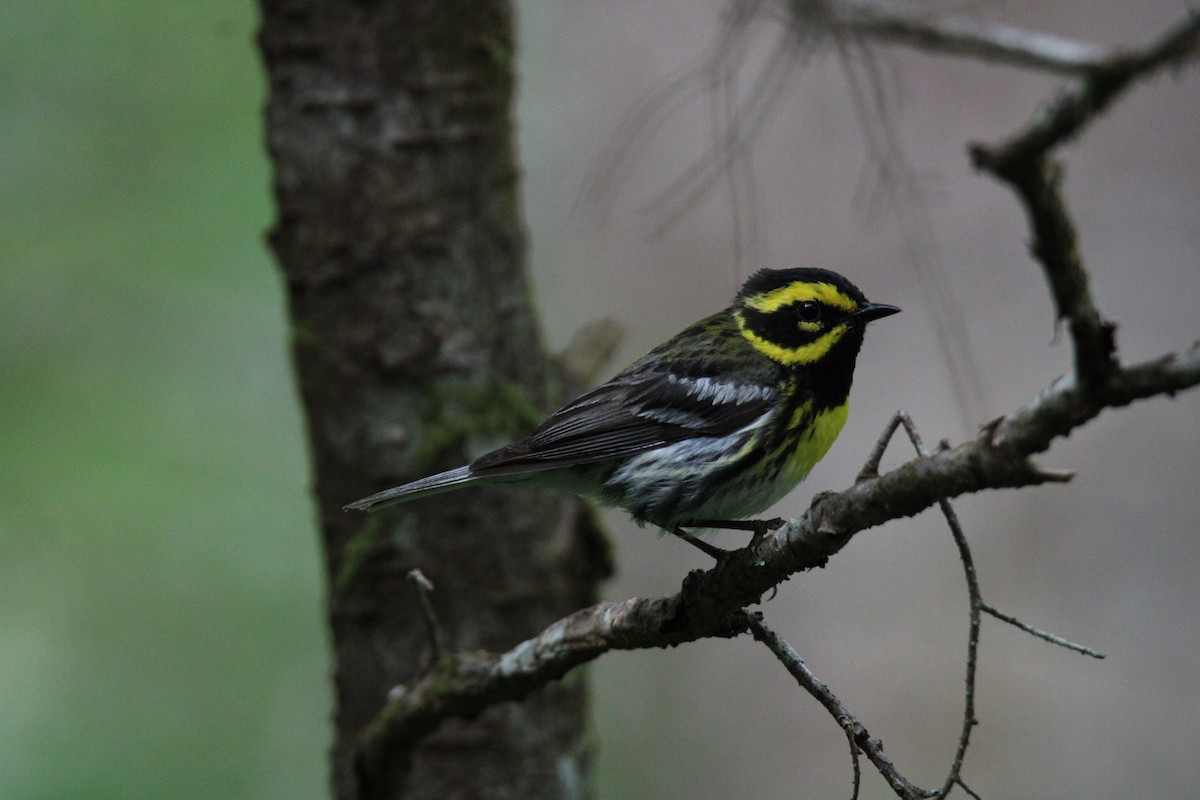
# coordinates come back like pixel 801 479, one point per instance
pixel 796 317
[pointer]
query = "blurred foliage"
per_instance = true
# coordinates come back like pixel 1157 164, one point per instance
pixel 160 604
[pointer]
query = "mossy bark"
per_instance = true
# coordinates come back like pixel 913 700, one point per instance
pixel 402 250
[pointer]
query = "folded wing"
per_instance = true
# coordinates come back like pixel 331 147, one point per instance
pixel 635 412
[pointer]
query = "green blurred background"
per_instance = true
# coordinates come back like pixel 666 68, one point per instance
pixel 160 604
pixel 160 620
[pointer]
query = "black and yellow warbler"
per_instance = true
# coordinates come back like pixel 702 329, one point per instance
pixel 714 425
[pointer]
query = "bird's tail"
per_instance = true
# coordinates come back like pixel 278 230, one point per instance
pixel 434 484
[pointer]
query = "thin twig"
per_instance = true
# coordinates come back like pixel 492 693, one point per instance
pixel 424 588
pixel 871 468
pixel 991 42
pixel 976 604
pixel 1041 634
pixel 848 726
pixel 962 785
pixel 859 736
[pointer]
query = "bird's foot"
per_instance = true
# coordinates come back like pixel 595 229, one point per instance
pixel 759 527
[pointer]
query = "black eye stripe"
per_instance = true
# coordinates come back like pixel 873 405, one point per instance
pixel 779 327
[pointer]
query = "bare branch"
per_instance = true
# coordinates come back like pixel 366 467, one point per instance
pixel 1038 182
pixel 1064 405
pixel 1093 92
pixel 871 468
pixel 710 603
pixel 958 36
pixel 1022 161
pixel 464 684
pixel 859 737
pixel 976 604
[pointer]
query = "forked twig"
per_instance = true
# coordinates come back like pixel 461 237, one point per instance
pixel 971 792
pixel 859 737
pixel 871 468
pixel 902 419
pixel 977 605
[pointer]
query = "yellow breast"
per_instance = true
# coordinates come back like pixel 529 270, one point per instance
pixel 814 442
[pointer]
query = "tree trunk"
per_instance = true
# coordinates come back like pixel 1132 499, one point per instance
pixel 415 346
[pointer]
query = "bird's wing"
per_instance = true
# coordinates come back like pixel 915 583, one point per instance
pixel 637 411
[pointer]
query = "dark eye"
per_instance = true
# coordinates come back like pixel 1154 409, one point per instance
pixel 808 311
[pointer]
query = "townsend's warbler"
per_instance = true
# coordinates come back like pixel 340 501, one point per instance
pixel 714 425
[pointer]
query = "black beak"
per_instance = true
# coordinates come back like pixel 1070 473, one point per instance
pixel 873 311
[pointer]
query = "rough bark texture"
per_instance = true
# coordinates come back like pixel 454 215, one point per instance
pixel 400 239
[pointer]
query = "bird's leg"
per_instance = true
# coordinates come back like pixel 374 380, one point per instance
pixel 759 527
pixel 701 545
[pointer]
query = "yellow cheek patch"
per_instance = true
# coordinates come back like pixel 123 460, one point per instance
pixel 798 292
pixel 790 356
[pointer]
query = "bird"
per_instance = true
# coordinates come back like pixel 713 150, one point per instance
pixel 711 427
